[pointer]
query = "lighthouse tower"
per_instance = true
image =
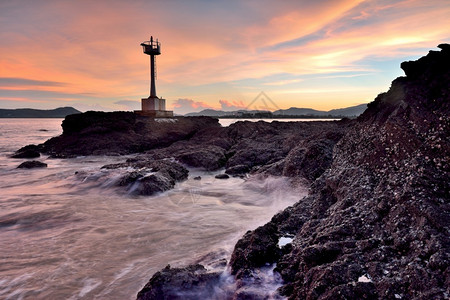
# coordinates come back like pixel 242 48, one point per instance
pixel 153 106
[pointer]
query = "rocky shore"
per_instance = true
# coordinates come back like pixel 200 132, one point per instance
pixel 375 224
pixel 163 148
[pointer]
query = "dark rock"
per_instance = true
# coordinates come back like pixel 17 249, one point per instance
pixel 32 164
pixel 152 184
pixel 237 170
pixel 30 151
pixel 256 249
pixel 197 178
pixel 150 177
pixel 378 207
pixel 209 158
pixel 192 282
pixel 222 176
pixel 117 133
pixel 309 160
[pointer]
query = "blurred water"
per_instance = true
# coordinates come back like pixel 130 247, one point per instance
pixel 67 233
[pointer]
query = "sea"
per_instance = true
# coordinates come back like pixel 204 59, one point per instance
pixel 67 231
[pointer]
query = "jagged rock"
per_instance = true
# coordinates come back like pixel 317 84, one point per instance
pixel 256 249
pixel 32 164
pixel 375 225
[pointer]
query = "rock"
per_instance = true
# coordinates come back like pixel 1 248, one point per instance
pixel 237 170
pixel 373 224
pixel 222 176
pixel 192 282
pixel 197 178
pixel 32 164
pixel 118 133
pixel 309 160
pixel 151 184
pixel 208 158
pixel 150 177
pixel 30 151
pixel 256 249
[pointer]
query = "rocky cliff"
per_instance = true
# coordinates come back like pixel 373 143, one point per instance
pixel 376 223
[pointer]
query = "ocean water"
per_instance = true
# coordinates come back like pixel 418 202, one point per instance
pixel 66 232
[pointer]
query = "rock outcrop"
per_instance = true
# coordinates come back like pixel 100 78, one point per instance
pixel 30 151
pixel 118 133
pixel 376 222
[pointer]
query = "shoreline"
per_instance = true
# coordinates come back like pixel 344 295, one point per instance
pixel 375 224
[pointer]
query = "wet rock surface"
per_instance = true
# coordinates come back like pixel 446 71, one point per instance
pixel 144 177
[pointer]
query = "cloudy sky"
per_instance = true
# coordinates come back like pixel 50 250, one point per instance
pixel 320 54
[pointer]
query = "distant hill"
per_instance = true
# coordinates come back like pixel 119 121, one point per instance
pixel 352 111
pixel 220 113
pixel 60 112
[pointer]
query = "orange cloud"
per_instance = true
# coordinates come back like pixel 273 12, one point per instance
pixel 183 106
pixel 232 105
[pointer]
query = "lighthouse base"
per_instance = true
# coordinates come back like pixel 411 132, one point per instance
pixel 154 108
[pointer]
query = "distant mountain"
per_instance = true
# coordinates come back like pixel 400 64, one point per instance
pixel 352 111
pixel 208 112
pixel 294 111
pixel 220 113
pixel 60 112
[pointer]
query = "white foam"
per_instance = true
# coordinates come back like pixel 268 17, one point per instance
pixel 364 278
pixel 283 241
pixel 89 285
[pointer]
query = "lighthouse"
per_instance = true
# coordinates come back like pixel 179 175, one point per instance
pixel 153 106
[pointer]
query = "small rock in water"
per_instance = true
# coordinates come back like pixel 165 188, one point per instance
pixel 32 164
pixel 222 176
pixel 197 178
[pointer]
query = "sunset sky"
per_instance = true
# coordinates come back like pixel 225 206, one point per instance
pixel 215 54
